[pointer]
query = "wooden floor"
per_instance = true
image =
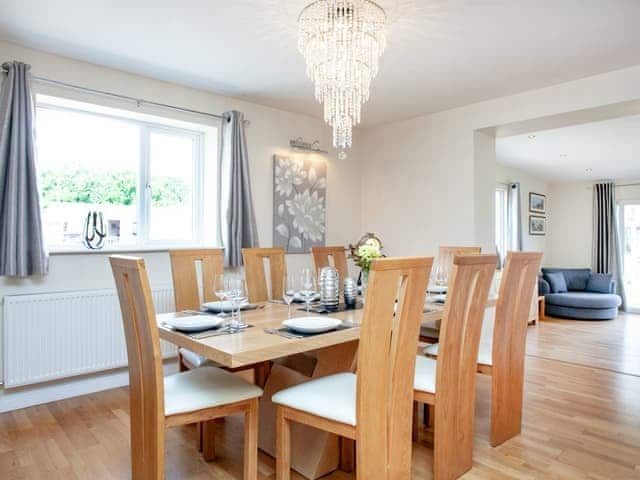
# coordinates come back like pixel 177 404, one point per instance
pixel 582 420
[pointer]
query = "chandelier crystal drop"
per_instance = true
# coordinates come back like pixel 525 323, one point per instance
pixel 341 41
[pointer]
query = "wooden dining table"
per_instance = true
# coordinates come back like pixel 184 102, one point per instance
pixel 283 362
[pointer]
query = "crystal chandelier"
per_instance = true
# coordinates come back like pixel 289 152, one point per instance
pixel 341 41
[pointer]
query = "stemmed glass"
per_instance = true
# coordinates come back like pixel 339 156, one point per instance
pixel 220 289
pixel 237 293
pixel 289 290
pixel 308 286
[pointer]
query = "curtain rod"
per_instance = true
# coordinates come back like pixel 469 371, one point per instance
pixel 138 101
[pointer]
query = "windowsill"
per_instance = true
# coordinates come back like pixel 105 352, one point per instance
pixel 109 249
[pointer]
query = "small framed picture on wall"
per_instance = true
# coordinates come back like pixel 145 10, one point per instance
pixel 537 203
pixel 537 225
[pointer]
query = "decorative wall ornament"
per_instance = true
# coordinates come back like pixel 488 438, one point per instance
pixel 537 202
pixel 299 197
pixel 537 225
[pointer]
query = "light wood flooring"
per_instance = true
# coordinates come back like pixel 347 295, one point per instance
pixel 582 420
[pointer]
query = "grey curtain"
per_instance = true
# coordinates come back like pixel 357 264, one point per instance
pixel 514 226
pixel 607 254
pixel 239 229
pixel 22 247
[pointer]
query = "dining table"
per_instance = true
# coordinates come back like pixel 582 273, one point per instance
pixel 282 360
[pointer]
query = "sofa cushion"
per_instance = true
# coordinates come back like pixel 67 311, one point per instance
pixel 583 300
pixel 599 283
pixel 556 282
pixel 576 278
pixel 543 286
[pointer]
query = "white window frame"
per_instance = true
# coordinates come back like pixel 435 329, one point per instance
pixel 620 205
pixel 503 226
pixel 143 206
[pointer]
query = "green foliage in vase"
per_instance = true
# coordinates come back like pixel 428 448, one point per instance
pixel 367 253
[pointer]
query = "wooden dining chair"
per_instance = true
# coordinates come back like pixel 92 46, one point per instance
pixel 255 274
pixel 446 254
pixel 331 256
pixel 448 384
pixel 430 331
pixel 502 348
pixel 186 288
pixel 373 407
pixel 156 402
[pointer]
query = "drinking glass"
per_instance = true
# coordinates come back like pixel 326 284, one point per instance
pixel 289 290
pixel 237 291
pixel 308 286
pixel 220 289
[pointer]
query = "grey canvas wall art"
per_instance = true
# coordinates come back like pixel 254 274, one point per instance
pixel 299 196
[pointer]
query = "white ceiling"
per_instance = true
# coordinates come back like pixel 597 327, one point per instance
pixel 441 53
pixel 610 149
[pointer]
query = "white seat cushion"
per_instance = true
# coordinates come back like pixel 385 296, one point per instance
pixel 205 387
pixel 193 360
pixel 332 397
pixel 425 376
pixel 485 352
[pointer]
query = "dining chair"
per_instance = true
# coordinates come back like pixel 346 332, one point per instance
pixel 331 256
pixel 256 277
pixel 186 288
pixel 501 352
pixel 430 331
pixel 373 407
pixel 446 254
pixel 156 402
pixel 448 384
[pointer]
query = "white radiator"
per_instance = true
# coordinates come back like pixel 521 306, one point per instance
pixel 58 335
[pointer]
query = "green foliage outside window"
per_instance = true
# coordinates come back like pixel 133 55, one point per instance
pixel 116 187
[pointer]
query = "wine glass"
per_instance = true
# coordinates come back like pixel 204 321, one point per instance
pixel 308 286
pixel 237 292
pixel 289 290
pixel 220 289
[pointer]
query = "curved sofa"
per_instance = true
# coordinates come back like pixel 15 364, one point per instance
pixel 582 300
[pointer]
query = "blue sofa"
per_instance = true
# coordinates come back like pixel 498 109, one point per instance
pixel 578 293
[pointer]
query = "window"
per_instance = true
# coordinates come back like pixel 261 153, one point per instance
pixel 629 224
pixel 146 175
pixel 502 221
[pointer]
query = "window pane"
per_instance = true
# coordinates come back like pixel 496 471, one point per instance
pixel 631 254
pixel 171 179
pixel 87 162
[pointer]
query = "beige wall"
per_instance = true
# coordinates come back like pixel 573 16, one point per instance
pixel 571 222
pixel 529 183
pixel 269 132
pixel 424 181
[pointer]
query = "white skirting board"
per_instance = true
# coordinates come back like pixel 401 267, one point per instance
pixel 23 397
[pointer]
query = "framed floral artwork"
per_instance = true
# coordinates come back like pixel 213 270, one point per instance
pixel 299 197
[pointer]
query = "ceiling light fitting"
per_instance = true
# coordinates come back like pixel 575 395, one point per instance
pixel 342 41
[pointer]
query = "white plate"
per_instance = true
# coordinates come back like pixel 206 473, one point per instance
pixel 194 323
pixel 312 324
pixel 224 306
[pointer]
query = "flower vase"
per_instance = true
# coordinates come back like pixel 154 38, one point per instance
pixel 364 282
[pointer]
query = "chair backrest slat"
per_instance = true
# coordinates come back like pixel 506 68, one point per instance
pixel 386 362
pixel 256 276
pixel 146 387
pixel 322 255
pixel 510 328
pixel 467 295
pixel 185 276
